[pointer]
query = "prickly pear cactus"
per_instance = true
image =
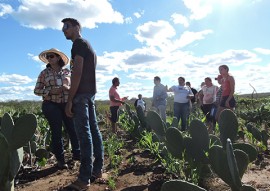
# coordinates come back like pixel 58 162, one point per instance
pixel 247 148
pixel 219 163
pixel 228 126
pixel 199 143
pixel 177 185
pixel 155 122
pixel 174 142
pixel 232 164
pixel 12 139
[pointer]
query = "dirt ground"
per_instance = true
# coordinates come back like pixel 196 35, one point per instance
pixel 143 174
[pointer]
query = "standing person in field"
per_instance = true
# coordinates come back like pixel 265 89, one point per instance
pixel 81 105
pixel 115 103
pixel 182 96
pixel 228 87
pixel 53 85
pixel 140 102
pixel 218 95
pixel 209 97
pixel 160 98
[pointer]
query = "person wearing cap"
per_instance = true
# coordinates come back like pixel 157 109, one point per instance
pixel 81 105
pixel 53 85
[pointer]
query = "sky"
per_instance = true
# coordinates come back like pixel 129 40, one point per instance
pixel 137 40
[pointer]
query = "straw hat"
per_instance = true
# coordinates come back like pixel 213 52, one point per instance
pixel 42 55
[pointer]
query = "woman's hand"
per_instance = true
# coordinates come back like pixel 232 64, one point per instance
pixel 56 90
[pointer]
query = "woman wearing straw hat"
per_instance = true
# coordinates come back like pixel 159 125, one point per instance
pixel 53 85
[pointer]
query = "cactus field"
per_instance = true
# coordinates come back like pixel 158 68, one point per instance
pixel 146 154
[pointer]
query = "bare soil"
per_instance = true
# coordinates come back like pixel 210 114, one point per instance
pixel 142 173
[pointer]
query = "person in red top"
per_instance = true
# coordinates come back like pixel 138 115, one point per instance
pixel 115 103
pixel 228 86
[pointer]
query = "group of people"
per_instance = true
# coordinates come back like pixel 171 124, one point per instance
pixel 211 99
pixel 69 98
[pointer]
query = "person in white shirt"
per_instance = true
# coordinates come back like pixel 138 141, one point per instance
pixel 140 102
pixel 182 96
pixel 209 98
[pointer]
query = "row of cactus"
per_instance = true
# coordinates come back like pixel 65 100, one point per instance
pixel 196 146
pixel 200 142
pixel 260 136
pixel 12 138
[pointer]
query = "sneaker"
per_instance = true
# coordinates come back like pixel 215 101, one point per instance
pixel 62 165
pixel 78 185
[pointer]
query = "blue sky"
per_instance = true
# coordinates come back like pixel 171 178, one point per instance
pixel 136 40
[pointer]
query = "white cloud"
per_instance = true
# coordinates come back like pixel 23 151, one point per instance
pixel 18 93
pixel 14 79
pixel 155 33
pixel 180 19
pixel 48 14
pixel 5 9
pixel 128 20
pixel 189 37
pixel 262 51
pixel 199 8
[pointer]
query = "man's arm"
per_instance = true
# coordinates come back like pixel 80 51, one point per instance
pixel 75 81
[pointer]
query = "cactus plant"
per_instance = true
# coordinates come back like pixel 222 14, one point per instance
pixel 13 138
pixel 247 148
pixel 176 185
pixel 220 164
pixel 228 126
pixel 199 142
pixel 174 142
pixel 155 122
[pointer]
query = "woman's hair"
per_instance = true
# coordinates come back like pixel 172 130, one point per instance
pixel 208 78
pixel 114 80
pixel 157 78
pixel 61 62
pixel 225 67
pixel 182 78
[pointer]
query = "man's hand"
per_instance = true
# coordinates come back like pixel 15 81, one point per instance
pixel 68 109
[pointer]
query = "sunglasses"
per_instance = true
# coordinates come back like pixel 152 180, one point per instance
pixel 50 56
pixel 66 26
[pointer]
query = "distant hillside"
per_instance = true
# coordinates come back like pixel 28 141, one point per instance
pixel 258 95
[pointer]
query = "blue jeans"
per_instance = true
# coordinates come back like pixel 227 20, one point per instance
pixel 181 111
pixel 55 114
pixel 89 136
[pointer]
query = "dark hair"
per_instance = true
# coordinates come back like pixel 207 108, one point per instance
pixel 61 62
pixel 208 78
pixel 181 78
pixel 157 78
pixel 114 80
pixel 225 67
pixel 73 21
pixel 188 83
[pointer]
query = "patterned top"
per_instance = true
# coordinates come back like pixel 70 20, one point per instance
pixel 218 97
pixel 48 79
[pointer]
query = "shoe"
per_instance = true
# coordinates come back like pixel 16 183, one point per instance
pixel 62 165
pixel 79 185
pixel 95 175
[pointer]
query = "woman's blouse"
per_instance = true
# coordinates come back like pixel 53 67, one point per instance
pixel 209 94
pixel 48 79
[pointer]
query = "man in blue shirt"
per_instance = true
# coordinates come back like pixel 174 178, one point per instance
pixel 160 98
